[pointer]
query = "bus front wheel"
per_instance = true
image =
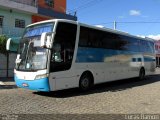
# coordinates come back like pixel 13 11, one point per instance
pixel 85 82
pixel 142 74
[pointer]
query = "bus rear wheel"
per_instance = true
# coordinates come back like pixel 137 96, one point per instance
pixel 142 74
pixel 85 82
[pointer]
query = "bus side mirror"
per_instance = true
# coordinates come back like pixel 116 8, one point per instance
pixel 8 44
pixel 46 40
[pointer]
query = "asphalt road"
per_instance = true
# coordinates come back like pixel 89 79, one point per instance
pixel 129 96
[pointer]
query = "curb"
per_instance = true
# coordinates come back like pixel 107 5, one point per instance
pixel 1 83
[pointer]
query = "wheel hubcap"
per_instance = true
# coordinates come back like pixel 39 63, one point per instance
pixel 85 82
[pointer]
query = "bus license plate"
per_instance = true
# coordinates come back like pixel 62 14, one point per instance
pixel 25 85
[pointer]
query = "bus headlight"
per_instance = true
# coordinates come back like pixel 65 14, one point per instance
pixel 41 76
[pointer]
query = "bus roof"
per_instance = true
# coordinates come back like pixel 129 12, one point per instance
pixel 53 20
pixel 117 32
pixel 94 27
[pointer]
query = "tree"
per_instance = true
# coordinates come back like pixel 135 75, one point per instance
pixel 3 41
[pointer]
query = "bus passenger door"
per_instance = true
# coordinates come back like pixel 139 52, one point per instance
pixel 62 55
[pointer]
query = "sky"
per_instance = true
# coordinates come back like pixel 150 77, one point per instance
pixel 137 17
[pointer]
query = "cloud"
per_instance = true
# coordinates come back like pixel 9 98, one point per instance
pixel 155 37
pixel 135 12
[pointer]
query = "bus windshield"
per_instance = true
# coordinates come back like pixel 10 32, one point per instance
pixel 32 56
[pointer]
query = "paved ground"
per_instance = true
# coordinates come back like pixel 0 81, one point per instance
pixel 123 97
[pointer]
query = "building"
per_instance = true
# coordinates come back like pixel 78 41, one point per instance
pixel 157 50
pixel 16 14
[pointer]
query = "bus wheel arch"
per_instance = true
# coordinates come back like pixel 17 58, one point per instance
pixel 86 81
pixel 142 73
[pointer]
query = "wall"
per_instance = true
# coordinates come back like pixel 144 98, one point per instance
pixel 21 5
pixel 9 22
pixel 59 5
pixel 11 64
pixel 58 10
pixel 38 18
pixel 9 29
pixel 3 65
pixel 26 2
pixel 157 47
pixel 42 3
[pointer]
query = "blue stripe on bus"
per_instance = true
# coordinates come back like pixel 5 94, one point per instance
pixel 37 85
pixel 97 55
pixel 93 54
pixel 85 54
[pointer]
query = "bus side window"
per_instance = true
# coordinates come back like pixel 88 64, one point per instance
pixel 139 59
pixel 133 59
pixel 63 47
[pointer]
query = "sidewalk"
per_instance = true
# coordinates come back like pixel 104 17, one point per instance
pixel 2 83
pixel 7 81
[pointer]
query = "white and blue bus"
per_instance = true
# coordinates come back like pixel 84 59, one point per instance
pixel 60 54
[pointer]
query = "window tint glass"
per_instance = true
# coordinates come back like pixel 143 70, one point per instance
pixel 133 59
pixel 99 39
pixel 63 47
pixel 93 38
pixel 139 60
pixel 131 44
pixel 146 46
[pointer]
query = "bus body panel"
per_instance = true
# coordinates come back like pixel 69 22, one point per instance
pixel 37 85
pixel 29 75
pixel 28 80
pixel 63 80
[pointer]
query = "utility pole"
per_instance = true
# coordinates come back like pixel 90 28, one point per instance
pixel 75 13
pixel 115 25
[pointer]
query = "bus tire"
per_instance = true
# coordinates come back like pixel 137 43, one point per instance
pixel 86 81
pixel 142 74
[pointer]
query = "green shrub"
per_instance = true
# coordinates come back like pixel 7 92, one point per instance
pixel 3 41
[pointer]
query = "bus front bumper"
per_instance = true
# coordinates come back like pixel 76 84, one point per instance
pixel 37 85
